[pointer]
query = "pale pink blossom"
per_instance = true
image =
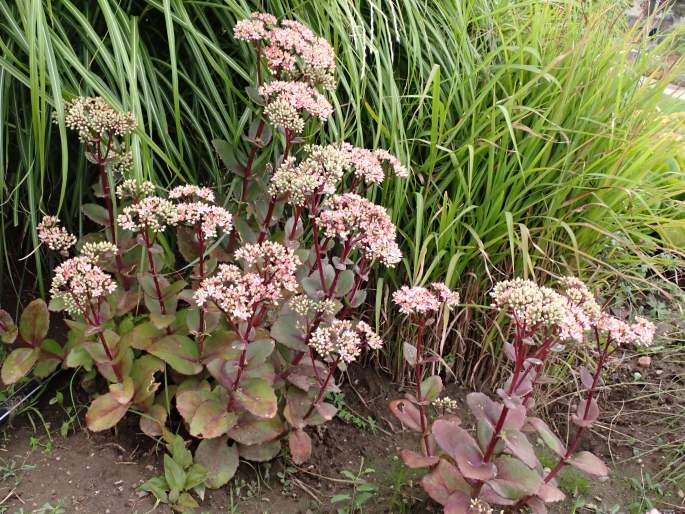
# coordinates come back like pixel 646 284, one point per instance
pixel 55 237
pixel 189 191
pixel 286 102
pixel 94 119
pixel 340 340
pixel 275 263
pixel 362 225
pixel 446 295
pixel 210 218
pixel 373 340
pixel 368 164
pixel 644 331
pixel 79 284
pixel 234 292
pixel 530 305
pixel 422 300
pixel 151 213
pixel 397 167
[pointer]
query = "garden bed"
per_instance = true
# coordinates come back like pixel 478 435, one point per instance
pixel 641 428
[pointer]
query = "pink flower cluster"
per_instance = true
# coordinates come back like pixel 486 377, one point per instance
pixel 291 49
pixel 422 300
pixel 192 192
pixel 530 305
pixel 344 340
pixel 151 213
pixel 79 284
pixel 639 333
pixel 133 190
pixel 275 263
pixel 286 102
pixel 211 218
pixel 55 237
pixel 368 165
pixel 269 271
pixel 363 225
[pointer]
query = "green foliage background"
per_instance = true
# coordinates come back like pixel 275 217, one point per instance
pixel 535 142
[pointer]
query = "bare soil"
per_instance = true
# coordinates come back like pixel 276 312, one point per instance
pixel 642 428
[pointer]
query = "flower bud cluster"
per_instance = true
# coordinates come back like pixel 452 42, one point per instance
pixel 275 263
pixel 192 192
pixel 79 284
pixel 422 300
pixel 94 119
pixel 94 251
pixel 344 339
pixel 368 164
pixel 530 305
pixel 304 306
pixel 131 189
pixel 211 218
pixel 151 213
pixel 364 225
pixel 287 102
pixel 446 403
pixel 55 237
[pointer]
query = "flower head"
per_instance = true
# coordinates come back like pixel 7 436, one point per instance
pixel 344 340
pixel 95 251
pixel 153 213
pixel 211 218
pixel 528 303
pixel 192 192
pixel 644 331
pixel 287 102
pixel 94 119
pixel 445 403
pixel 368 164
pixel 55 237
pixel 363 225
pixel 254 28
pixel 78 283
pixel 131 189
pixel 235 293
pixel 275 263
pixel 422 300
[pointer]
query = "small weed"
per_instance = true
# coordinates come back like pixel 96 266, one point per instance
pixel 11 469
pixel 362 491
pixel 347 415
pixel 646 489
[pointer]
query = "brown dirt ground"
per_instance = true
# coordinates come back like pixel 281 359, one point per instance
pixel 100 473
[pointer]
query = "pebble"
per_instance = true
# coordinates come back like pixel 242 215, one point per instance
pixel 645 361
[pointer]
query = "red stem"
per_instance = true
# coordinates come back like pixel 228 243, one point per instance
pixel 322 391
pixel 153 270
pixel 418 375
pixel 201 271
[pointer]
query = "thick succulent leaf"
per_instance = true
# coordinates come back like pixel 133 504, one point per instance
pixel 152 422
pixel 458 444
pixel 8 330
pixel 107 410
pixel 142 336
pixel 409 352
pixel 18 364
pixel 286 332
pixel 260 452
pixel 518 444
pixel 586 377
pixel 488 495
pixel 483 408
pixel 211 419
pixel 548 437
pixel 196 476
pixel 78 356
pixel 96 213
pixel 549 493
pixel 143 375
pixel 34 322
pixel 298 406
pixel 458 503
pixel 443 481
pixel 258 351
pixel 251 430
pixel 585 420
pixel 514 479
pixel 258 397
pixel 431 388
pixel 326 410
pixel 536 505
pixel 180 352
pixel 408 414
pixel 220 460
pixel 300 445
pixel 415 460
pixel 590 463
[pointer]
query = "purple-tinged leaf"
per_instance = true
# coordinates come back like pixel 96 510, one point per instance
pixel 260 452
pixel 326 410
pixel 547 436
pixel 409 351
pixel 589 463
pixel 582 419
pixel 458 503
pixel 514 479
pixel 219 459
pixel 549 493
pixel 484 408
pixel 431 388
pixel 152 422
pixel 251 430
pixel 107 410
pixel 300 445
pixel 258 397
pixel 458 444
pixel 443 481
pixel 536 505
pixel 8 330
pixel 34 322
pixel 518 444
pixel 487 494
pixel 586 377
pixel 510 401
pixel 509 351
pixel 180 352
pixel 415 460
pixel 407 413
pixel 18 364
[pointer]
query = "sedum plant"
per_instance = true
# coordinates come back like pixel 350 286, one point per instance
pixel 234 324
pixel 496 463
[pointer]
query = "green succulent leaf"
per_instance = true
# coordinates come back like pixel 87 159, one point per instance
pixel 8 330
pixel 34 322
pixel 431 388
pixel 258 397
pixel 180 352
pixel 107 410
pixel 96 213
pixel 219 459
pixel 173 473
pixel 260 452
pixel 18 364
